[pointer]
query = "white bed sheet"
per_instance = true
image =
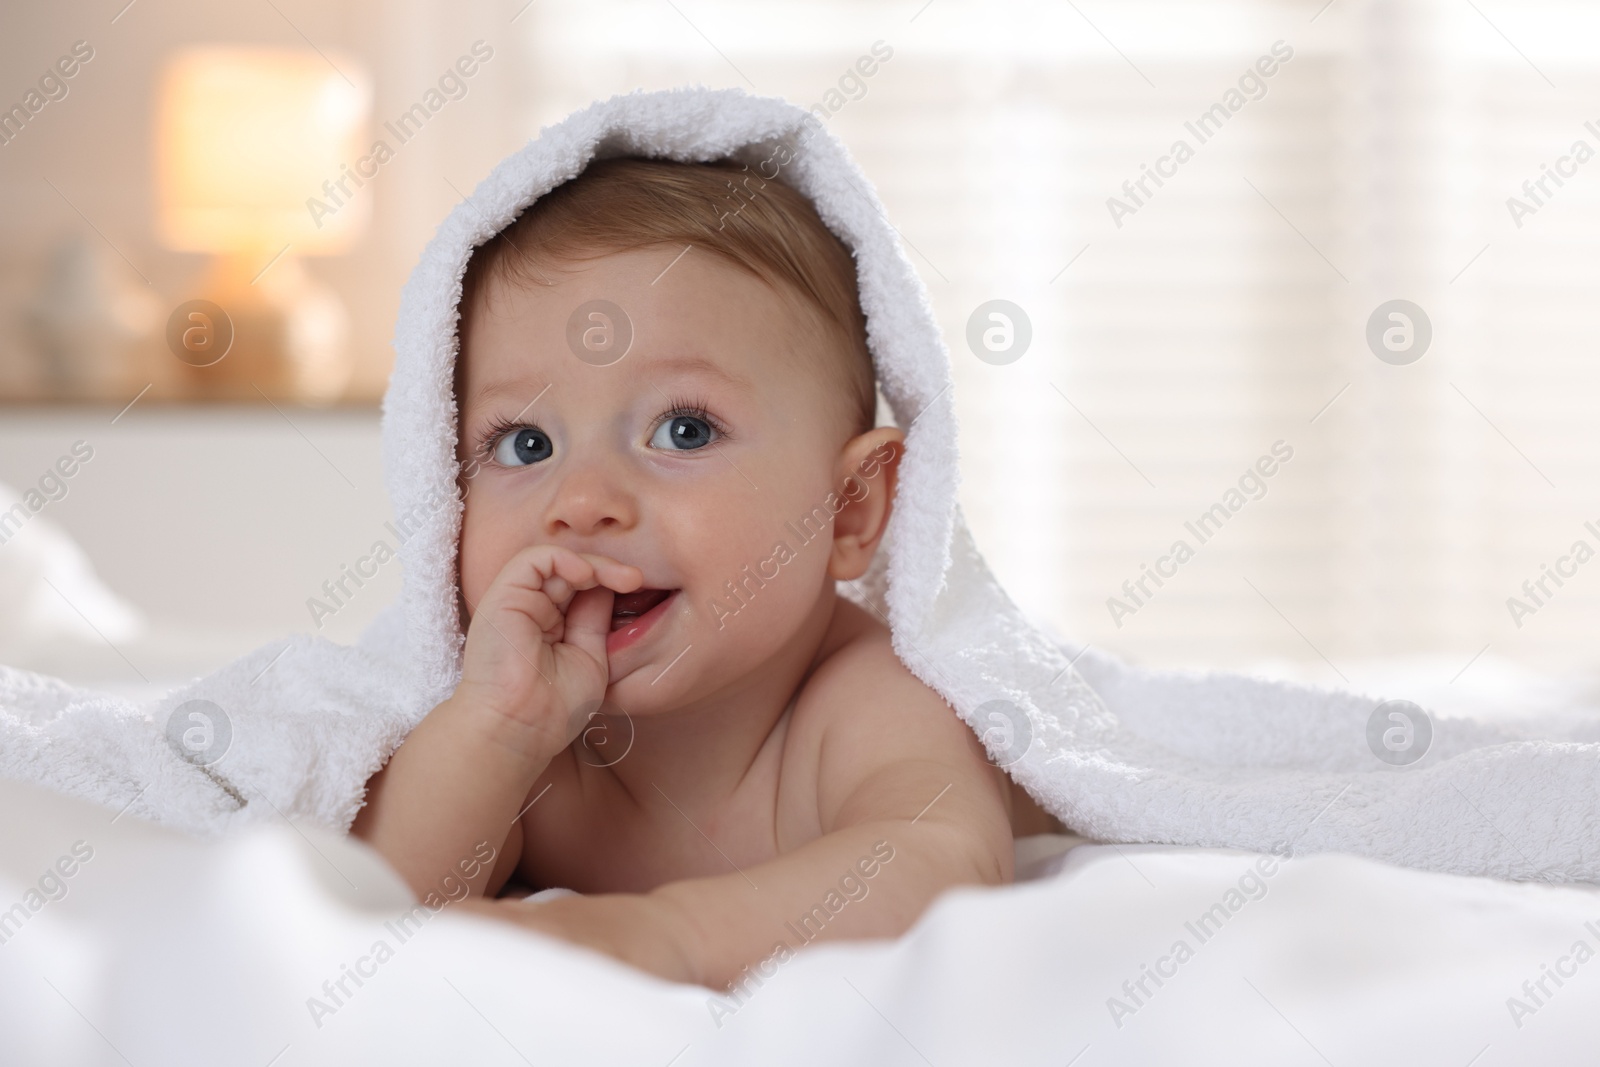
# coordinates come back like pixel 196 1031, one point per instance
pixel 166 950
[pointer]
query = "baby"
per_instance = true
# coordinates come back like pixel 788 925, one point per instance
pixel 668 448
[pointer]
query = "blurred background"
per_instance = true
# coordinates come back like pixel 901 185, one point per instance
pixel 183 179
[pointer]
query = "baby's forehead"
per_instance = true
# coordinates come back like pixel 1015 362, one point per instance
pixel 642 314
pixel 670 219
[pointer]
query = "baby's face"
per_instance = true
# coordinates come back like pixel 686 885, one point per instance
pixel 689 458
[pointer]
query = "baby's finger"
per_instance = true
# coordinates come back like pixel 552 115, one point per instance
pixel 545 613
pixel 572 572
pixel 589 621
pixel 552 569
pixel 621 577
pixel 559 591
pixel 561 570
pixel 532 584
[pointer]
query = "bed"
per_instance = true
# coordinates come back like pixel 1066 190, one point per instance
pixel 264 949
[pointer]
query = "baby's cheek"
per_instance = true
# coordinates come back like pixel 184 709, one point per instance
pixel 477 549
pixel 757 588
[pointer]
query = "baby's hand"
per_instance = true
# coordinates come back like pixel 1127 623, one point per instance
pixel 536 647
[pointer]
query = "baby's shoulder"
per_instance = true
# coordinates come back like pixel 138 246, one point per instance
pixel 868 738
pixel 861 693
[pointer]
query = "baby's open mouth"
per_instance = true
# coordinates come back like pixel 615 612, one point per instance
pixel 629 606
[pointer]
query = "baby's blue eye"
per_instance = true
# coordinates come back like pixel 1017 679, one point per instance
pixel 522 447
pixel 682 433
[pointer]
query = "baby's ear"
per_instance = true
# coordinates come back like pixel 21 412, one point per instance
pixel 864 484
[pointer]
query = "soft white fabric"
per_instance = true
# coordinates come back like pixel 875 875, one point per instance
pixel 166 950
pixel 48 586
pixel 1118 753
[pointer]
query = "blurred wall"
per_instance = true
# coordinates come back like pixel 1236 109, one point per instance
pixel 83 166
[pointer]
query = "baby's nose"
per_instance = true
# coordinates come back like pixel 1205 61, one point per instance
pixel 591 499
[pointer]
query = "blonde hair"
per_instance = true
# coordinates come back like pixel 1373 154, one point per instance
pixel 761 226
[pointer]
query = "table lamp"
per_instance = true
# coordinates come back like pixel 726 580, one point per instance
pixel 249 141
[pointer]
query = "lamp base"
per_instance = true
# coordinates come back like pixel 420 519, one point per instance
pixel 289 335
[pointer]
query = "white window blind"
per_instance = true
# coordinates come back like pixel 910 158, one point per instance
pixel 1228 312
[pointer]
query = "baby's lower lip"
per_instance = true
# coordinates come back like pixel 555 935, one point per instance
pixel 635 629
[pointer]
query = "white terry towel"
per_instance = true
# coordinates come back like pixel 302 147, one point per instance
pixel 1117 753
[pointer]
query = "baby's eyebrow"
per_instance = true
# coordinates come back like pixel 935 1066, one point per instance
pixel 513 389
pixel 518 389
pixel 689 364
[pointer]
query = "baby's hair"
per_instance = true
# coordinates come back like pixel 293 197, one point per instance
pixel 725 207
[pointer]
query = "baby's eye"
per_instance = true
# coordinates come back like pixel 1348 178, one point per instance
pixel 523 446
pixel 683 433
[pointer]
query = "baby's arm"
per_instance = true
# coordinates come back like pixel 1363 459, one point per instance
pixel 535 651
pixel 898 776
pixel 733 925
pixel 457 780
pixel 903 791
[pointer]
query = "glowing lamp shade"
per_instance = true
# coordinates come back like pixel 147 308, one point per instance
pixel 245 137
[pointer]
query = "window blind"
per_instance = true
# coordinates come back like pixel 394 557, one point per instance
pixel 1216 324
